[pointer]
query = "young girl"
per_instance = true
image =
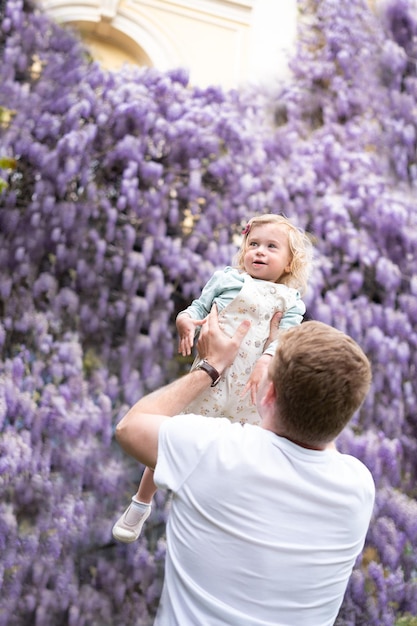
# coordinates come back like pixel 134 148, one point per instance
pixel 273 265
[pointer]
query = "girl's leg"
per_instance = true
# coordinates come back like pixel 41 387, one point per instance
pixel 147 488
pixel 128 527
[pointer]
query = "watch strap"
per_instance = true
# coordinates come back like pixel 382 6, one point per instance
pixel 210 370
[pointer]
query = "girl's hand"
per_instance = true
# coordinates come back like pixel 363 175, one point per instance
pixel 186 330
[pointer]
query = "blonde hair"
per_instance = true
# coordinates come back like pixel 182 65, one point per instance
pixel 299 244
pixel 321 377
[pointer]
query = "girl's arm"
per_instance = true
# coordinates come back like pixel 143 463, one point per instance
pixel 201 306
pixel 188 320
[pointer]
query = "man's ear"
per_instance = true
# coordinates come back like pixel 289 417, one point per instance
pixel 269 396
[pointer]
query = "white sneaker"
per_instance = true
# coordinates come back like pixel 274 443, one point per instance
pixel 129 525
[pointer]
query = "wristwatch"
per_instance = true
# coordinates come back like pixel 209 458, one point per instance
pixel 211 371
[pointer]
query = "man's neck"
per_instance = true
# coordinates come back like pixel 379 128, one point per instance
pixel 307 446
pixel 304 445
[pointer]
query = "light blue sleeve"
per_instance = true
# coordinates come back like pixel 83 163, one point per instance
pixel 221 281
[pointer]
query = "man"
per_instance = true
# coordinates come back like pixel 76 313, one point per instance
pixel 266 522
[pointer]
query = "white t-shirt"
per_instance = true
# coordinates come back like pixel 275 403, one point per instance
pixel 261 531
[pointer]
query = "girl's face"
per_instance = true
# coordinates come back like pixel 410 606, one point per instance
pixel 268 254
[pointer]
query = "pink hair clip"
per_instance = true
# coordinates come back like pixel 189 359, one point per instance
pixel 246 230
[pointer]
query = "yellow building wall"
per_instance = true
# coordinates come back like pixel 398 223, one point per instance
pixel 219 42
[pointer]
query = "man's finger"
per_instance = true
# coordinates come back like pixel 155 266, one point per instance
pixel 242 330
pixel 276 318
pixel 274 327
pixel 213 316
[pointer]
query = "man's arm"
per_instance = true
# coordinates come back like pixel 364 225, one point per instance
pixel 137 432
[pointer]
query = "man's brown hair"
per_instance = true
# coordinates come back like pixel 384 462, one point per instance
pixel 321 377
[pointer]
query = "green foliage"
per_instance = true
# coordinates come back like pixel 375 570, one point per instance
pixel 406 620
pixel 6 163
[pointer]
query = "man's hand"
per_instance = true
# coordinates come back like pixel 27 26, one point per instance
pixel 260 368
pixel 274 328
pixel 259 372
pixel 214 345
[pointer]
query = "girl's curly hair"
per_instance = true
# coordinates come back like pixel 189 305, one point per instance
pixel 299 243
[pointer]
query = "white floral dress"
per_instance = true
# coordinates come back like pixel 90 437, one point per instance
pixel 257 301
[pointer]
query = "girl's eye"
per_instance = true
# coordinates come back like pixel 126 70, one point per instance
pixel 253 243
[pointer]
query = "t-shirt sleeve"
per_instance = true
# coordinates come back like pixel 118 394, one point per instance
pixel 183 440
